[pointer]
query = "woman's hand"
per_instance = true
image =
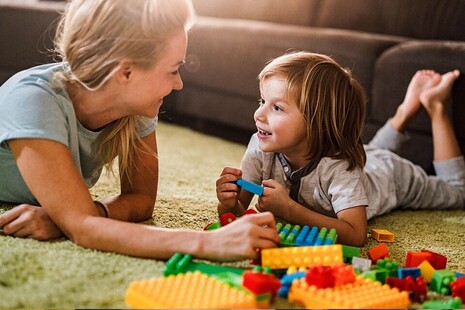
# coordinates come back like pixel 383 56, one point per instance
pixel 28 221
pixel 241 239
pixel 227 190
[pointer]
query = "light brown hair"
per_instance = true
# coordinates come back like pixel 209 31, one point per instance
pixel 93 35
pixel 331 101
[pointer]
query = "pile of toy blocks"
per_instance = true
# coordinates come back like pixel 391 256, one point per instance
pixel 310 269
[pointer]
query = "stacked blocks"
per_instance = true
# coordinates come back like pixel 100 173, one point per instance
pixel 190 290
pixel 305 236
pixel 306 256
pixel 362 294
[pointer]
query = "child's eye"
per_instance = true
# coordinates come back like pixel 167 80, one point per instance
pixel 261 101
pixel 277 108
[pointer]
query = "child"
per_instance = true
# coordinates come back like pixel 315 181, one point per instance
pixel 61 123
pixel 309 156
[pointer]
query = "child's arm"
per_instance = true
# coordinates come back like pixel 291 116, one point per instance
pixel 230 196
pixel 350 224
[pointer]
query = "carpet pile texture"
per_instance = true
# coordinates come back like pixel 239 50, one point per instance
pixel 59 274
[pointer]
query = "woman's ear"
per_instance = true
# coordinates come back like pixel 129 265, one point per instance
pixel 125 72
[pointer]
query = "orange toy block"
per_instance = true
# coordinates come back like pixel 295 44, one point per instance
pixel 378 252
pixel 189 290
pixel 303 256
pixel 382 235
pixel 362 294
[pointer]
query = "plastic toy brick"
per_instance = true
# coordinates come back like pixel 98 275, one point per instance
pixel 320 276
pixel 261 282
pixel 378 252
pixel 190 290
pixel 180 263
pixel 439 261
pixel 416 288
pixel 305 236
pixel 250 187
pixel 414 259
pixel 305 256
pixel 426 271
pixel 405 272
pixel 361 264
pixel 453 303
pixel 458 288
pixel 348 252
pixel 362 294
pixel 286 282
pixel 382 235
pixel 389 265
pixel 227 218
pixel 375 275
pixel 441 281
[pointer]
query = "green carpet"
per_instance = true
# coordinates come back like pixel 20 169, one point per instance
pixel 60 274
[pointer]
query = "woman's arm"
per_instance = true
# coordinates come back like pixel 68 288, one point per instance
pixel 137 199
pixel 50 174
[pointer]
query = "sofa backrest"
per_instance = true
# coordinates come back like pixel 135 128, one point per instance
pixel 419 19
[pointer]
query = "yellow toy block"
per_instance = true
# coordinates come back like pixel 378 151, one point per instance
pixel 303 256
pixel 382 235
pixel 189 290
pixel 427 271
pixel 361 294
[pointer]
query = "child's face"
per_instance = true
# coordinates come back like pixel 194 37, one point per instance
pixel 280 124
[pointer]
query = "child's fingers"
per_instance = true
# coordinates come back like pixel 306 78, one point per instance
pixel 233 171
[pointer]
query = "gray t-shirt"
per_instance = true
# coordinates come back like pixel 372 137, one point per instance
pixel 30 108
pixel 328 189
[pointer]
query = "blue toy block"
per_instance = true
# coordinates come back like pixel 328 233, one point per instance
pixel 250 187
pixel 414 272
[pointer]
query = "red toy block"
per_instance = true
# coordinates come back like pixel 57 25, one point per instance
pixel 249 211
pixel 414 259
pixel 439 261
pixel 227 218
pixel 416 288
pixel 320 276
pixel 343 274
pixel 378 252
pixel 458 288
pixel 261 282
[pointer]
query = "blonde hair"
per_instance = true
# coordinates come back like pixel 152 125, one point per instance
pixel 331 101
pixel 93 35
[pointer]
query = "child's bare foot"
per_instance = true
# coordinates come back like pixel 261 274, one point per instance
pixel 434 98
pixel 421 81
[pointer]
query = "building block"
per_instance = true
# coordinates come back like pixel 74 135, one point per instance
pixel 427 271
pixel 296 235
pixel 227 218
pixel 458 288
pixel 389 265
pixel 439 261
pixel 382 235
pixel 261 282
pixel 305 256
pixel 286 282
pixel 441 281
pixel 179 263
pixel 362 294
pixel 453 303
pixel 362 264
pixel 348 252
pixel 414 272
pixel 416 288
pixel 376 275
pixel 250 187
pixel 320 276
pixel 378 252
pixel 190 290
pixel 414 259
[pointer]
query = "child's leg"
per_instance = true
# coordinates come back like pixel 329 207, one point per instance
pixel 434 100
pixel 390 136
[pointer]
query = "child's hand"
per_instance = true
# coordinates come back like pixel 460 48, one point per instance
pixel 240 239
pixel 275 198
pixel 227 190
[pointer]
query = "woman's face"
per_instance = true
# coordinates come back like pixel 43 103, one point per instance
pixel 150 86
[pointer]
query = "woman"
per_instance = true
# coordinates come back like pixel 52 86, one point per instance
pixel 61 123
